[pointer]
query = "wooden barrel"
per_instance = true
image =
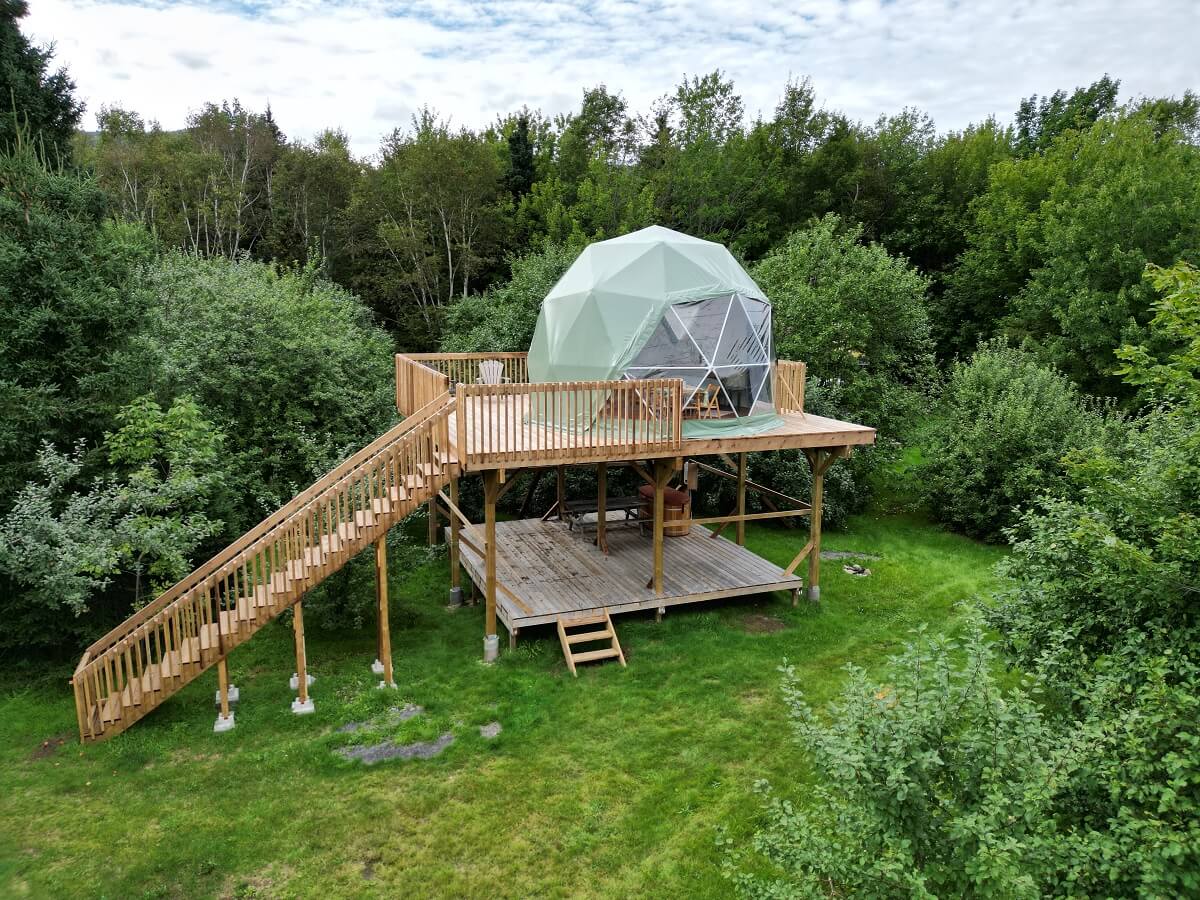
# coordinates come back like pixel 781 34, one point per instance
pixel 677 509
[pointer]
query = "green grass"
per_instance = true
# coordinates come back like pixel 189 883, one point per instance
pixel 606 785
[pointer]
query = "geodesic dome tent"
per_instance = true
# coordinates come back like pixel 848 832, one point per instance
pixel 660 304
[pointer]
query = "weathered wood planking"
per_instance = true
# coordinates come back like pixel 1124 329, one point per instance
pixel 558 572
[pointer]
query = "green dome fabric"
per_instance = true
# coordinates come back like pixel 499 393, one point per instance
pixel 660 304
pixel 605 307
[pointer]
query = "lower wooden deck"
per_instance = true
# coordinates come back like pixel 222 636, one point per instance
pixel 551 571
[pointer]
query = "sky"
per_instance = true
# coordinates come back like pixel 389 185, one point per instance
pixel 366 66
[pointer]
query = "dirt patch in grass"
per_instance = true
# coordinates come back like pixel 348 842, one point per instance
pixel 757 623
pixel 49 746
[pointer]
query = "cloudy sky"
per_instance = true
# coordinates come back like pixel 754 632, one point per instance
pixel 364 65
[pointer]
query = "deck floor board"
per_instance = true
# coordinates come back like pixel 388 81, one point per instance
pixel 556 571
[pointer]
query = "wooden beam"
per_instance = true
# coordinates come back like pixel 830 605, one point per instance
pixel 223 687
pixel 455 573
pixel 491 490
pixel 819 461
pixel 602 506
pixel 753 485
pixel 748 517
pixel 560 475
pixel 381 595
pixel 301 655
pixel 663 470
pixel 741 500
pixel 507 485
pixel 646 476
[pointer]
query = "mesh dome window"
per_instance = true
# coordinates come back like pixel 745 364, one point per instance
pixel 716 346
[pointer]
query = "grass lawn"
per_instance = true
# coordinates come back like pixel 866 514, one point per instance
pixel 606 785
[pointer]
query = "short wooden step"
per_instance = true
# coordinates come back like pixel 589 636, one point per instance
pixel 584 637
pixel 584 620
pixel 590 655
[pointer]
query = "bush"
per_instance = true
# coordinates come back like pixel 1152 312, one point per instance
pixel 1004 424
pixel 504 317
pixel 289 367
pixel 856 315
pixel 940 783
pixel 936 784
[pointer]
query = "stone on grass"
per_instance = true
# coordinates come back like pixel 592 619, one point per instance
pixel 233 697
pixel 223 723
pixel 490 730
pixel 374 753
pixel 294 681
pixel 303 708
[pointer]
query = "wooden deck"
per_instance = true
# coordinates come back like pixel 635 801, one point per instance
pixel 551 571
pixel 496 431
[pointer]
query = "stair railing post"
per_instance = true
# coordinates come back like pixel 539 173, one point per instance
pixel 455 567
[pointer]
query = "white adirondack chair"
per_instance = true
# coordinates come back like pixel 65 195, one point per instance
pixel 491 371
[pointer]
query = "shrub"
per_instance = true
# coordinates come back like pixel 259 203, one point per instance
pixel 936 784
pixel 940 783
pixel 289 367
pixel 856 315
pixel 1004 424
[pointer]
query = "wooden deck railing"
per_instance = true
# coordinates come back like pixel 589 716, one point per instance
pixel 165 645
pixel 417 384
pixel 463 368
pixel 559 422
pixel 788 387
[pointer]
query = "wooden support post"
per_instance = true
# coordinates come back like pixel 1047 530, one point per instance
pixel 455 567
pixel 491 490
pixel 561 477
pixel 819 461
pixel 381 598
pixel 433 520
pixel 302 704
pixel 602 506
pixel 663 470
pixel 223 687
pixel 741 499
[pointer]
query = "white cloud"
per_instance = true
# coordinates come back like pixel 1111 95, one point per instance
pixel 365 66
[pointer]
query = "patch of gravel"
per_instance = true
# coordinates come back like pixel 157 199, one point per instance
pixel 391 750
pixel 490 730
pixel 393 715
pixel 757 623
pixel 845 554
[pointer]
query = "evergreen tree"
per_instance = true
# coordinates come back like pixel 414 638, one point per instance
pixel 519 175
pixel 31 96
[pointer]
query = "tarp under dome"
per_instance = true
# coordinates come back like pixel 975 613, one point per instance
pixel 660 304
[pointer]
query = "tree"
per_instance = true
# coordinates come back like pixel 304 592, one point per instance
pixel 1060 241
pixel 34 101
pixel 1040 121
pixel 425 221
pixel 69 308
pixel 519 173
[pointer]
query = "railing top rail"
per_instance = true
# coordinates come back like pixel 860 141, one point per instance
pixel 490 354
pixel 252 537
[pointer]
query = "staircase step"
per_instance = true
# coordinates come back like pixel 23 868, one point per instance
pixel 260 596
pixel 381 505
pixel 586 636
pixel 588 656
pixel 347 531
pixel 364 519
pixel 584 620
pixel 110 708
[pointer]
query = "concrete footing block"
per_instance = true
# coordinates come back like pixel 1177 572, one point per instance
pixel 303 708
pixel 491 648
pixel 456 598
pixel 377 668
pixel 294 681
pixel 387 685
pixel 814 593
pixel 233 697
pixel 224 723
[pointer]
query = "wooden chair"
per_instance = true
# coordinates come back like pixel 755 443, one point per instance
pixel 704 403
pixel 491 371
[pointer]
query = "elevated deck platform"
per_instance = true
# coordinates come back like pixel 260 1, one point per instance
pixel 548 571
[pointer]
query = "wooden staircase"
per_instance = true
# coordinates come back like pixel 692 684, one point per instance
pixel 223 603
pixel 570 639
